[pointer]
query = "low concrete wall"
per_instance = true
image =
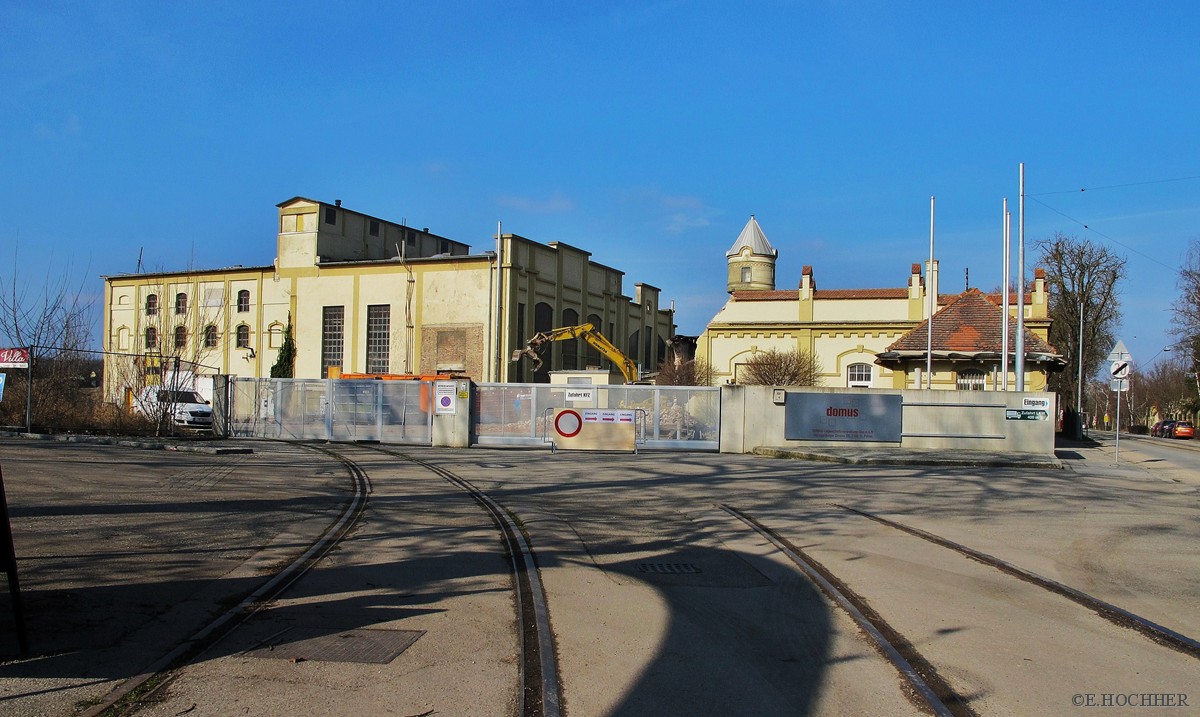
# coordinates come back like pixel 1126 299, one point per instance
pixel 751 416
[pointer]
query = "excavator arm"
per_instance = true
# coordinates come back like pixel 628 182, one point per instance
pixel 588 333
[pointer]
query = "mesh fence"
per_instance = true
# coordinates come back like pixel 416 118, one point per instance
pixel 315 409
pixel 677 416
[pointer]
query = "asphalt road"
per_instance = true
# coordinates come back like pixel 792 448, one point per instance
pixel 661 601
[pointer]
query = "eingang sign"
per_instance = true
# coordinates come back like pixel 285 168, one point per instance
pixel 843 417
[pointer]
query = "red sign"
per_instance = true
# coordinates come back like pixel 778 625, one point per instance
pixel 14 358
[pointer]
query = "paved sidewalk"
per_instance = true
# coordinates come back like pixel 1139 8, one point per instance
pixel 913 457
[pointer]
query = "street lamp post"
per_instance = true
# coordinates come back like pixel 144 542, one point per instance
pixel 1079 382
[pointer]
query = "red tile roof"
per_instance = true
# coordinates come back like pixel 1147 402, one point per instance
pixel 753 295
pixel 969 323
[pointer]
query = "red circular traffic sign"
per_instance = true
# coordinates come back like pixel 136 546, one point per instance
pixel 568 423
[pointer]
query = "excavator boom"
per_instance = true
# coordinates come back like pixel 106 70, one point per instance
pixel 588 333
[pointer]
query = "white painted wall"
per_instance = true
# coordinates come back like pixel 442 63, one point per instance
pixel 953 420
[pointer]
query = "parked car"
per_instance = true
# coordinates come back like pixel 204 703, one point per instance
pixel 1164 431
pixel 1182 429
pixel 183 407
pixel 1156 429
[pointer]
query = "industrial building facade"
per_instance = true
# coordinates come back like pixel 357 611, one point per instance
pixel 371 296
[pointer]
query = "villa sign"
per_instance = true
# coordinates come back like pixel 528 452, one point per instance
pixel 14 358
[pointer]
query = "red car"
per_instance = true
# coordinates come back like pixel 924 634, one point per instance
pixel 1182 429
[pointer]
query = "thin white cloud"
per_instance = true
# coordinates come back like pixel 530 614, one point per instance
pixel 674 214
pixel 69 127
pixel 556 203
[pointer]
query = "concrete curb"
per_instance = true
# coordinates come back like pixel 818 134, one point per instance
pixel 147 444
pixel 915 457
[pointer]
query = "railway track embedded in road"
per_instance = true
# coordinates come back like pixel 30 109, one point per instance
pixel 120 701
pixel 540 684
pixel 1116 615
pixel 923 679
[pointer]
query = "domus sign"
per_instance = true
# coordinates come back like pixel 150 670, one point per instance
pixel 843 417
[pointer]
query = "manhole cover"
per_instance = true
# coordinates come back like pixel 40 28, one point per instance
pixel 374 647
pixel 669 568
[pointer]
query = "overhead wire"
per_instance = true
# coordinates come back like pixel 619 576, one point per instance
pixel 1114 186
pixel 1101 234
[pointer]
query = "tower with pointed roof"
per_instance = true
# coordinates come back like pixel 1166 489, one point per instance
pixel 751 260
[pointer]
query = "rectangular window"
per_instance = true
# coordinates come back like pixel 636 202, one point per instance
pixel 333 329
pixel 379 332
pixel 330 215
pixel 374 228
pixel 410 237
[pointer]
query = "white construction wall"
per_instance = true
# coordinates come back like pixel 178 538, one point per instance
pixel 756 416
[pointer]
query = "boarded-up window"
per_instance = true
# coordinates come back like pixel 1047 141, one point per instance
pixel 451 351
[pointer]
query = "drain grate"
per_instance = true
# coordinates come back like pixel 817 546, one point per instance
pixel 669 568
pixel 364 646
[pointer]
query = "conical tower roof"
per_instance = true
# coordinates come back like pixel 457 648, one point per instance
pixel 752 236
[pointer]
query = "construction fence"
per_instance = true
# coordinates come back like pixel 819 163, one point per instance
pixel 502 414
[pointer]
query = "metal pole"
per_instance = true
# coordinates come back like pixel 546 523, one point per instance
pixel 1006 279
pixel 1079 388
pixel 500 343
pixel 1118 427
pixel 29 394
pixel 1020 358
pixel 931 290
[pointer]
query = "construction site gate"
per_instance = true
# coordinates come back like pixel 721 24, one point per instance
pixel 676 417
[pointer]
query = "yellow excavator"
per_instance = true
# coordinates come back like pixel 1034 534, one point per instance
pixel 588 333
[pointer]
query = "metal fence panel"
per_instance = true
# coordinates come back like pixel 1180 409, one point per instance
pixel 316 409
pixel 680 417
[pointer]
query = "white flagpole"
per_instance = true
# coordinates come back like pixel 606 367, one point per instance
pixel 1006 278
pixel 930 289
pixel 1020 358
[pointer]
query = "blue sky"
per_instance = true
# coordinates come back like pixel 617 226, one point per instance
pixel 644 132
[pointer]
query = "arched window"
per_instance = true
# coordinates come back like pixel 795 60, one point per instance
pixel 591 355
pixel 181 303
pixel 151 304
pixel 570 348
pixel 243 336
pixel 543 320
pixel 243 301
pixel 970 379
pixel 180 337
pixel 210 336
pixel 151 338
pixel 858 375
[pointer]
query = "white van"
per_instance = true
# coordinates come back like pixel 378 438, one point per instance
pixel 185 407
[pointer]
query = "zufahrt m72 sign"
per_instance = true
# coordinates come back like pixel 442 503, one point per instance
pixel 14 358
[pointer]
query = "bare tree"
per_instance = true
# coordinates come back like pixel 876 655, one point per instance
pixel 1081 276
pixel 782 368
pixel 54 320
pixel 694 372
pixel 1164 390
pixel 1186 306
